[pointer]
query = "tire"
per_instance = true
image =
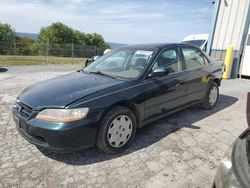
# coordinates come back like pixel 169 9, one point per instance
pixel 212 96
pixel 117 130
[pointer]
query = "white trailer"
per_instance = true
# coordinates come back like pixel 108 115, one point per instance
pixel 245 67
pixel 198 40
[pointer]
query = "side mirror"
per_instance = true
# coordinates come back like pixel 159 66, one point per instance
pixel 88 62
pixel 159 72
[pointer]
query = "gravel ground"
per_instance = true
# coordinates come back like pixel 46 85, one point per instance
pixel 182 150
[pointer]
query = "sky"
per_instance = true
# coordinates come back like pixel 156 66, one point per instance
pixel 122 21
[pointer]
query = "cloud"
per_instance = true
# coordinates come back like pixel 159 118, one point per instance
pixel 129 21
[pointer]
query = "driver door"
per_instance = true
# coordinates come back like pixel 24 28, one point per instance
pixel 167 92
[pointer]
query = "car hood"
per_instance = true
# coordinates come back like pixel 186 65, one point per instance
pixel 61 91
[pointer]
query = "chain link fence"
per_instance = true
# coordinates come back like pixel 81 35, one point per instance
pixel 14 53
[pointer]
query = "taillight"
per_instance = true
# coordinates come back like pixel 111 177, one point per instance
pixel 248 109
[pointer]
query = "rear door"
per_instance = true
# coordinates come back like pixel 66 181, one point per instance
pixel 197 73
pixel 165 93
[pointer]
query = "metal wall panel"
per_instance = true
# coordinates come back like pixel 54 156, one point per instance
pixel 229 26
pixel 239 24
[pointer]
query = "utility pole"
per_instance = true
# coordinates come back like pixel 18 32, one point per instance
pixel 15 49
pixel 72 53
pixel 47 52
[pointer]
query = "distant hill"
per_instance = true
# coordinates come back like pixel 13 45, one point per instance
pixel 28 35
pixel 34 36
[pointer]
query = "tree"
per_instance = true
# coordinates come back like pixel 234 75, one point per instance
pixel 7 36
pixel 80 37
pixel 26 46
pixel 61 37
pixel 56 33
pixel 95 40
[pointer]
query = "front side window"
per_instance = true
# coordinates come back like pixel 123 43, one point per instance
pixel 169 60
pixel 193 58
pixel 124 63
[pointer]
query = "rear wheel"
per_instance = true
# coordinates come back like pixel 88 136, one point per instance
pixel 117 130
pixel 212 96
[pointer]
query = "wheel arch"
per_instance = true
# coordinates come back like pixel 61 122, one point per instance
pixel 217 81
pixel 131 106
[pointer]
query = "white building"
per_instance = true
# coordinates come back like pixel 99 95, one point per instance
pixel 230 26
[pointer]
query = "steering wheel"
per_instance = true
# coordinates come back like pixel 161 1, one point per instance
pixel 139 68
pixel 112 64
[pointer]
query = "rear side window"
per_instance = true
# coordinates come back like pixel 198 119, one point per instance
pixel 193 58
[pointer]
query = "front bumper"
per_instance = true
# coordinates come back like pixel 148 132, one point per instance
pixel 233 170
pixel 59 137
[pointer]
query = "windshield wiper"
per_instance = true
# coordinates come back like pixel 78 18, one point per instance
pixel 101 73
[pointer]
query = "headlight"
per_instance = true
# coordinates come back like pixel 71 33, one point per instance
pixel 63 115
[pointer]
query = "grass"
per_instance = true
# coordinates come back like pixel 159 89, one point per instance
pixel 6 60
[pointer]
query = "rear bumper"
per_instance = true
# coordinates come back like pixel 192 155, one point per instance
pixel 59 137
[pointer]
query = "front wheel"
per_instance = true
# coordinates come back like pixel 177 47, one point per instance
pixel 212 96
pixel 117 130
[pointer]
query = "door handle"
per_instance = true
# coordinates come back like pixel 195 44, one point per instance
pixel 209 75
pixel 179 83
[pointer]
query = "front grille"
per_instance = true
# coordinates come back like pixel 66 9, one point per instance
pixel 23 109
pixel 33 138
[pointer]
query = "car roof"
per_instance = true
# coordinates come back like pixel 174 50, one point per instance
pixel 147 46
pixel 151 46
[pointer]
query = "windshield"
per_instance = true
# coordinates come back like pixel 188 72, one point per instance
pixel 198 43
pixel 124 63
